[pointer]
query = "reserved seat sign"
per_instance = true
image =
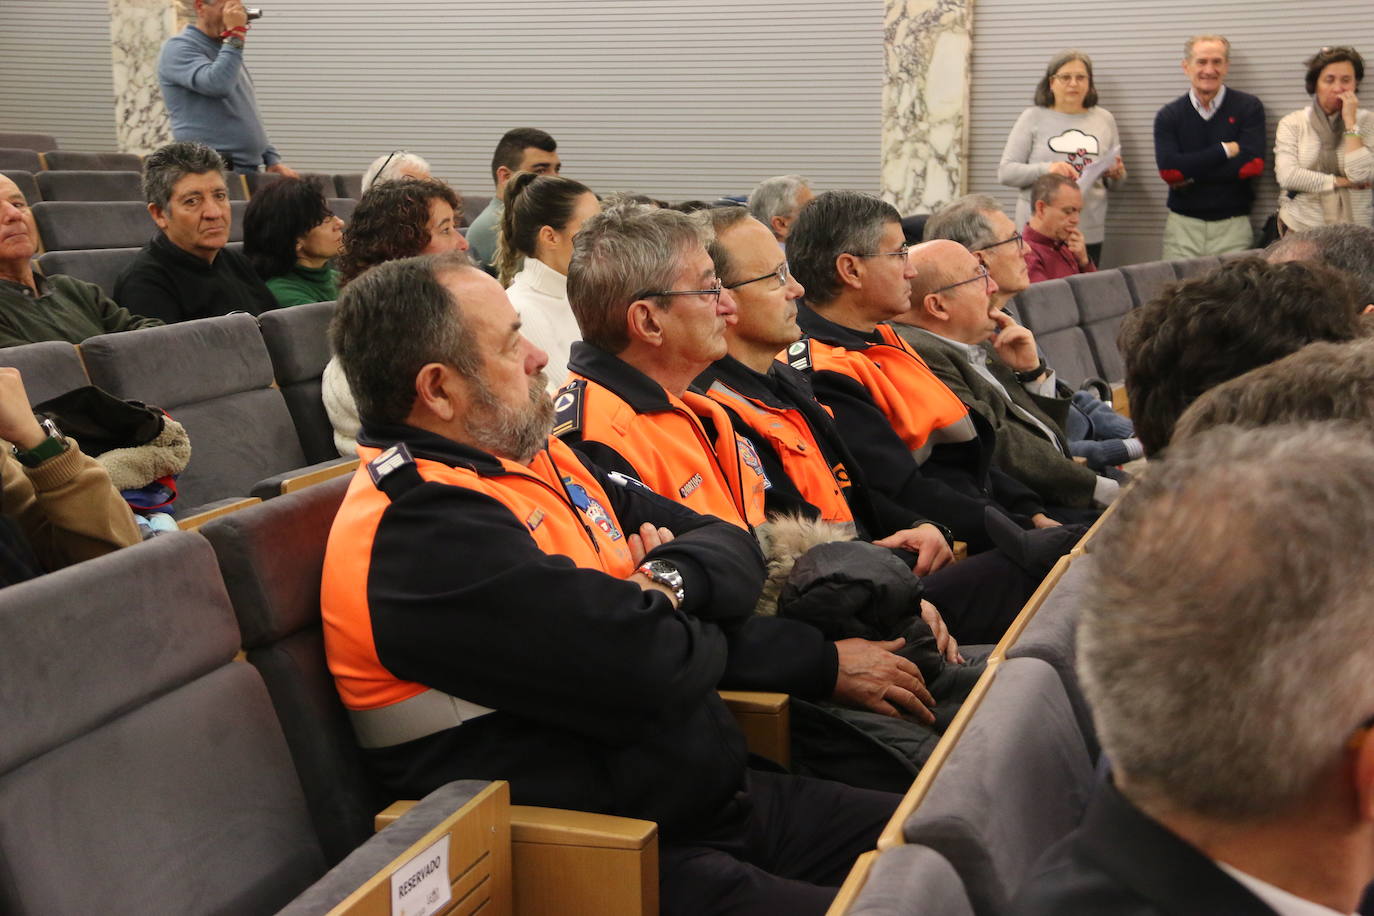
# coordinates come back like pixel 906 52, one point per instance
pixel 421 887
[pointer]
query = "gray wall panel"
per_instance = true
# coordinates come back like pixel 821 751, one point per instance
pixel 1136 49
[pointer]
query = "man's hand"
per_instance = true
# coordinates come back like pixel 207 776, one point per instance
pixel 1041 520
pixel 946 643
pixel 1062 168
pixel 1014 343
pixel 284 170
pixel 235 16
pixel 17 423
pixel 1078 247
pixel 1117 171
pixel 927 542
pixel 1232 148
pixel 872 678
pixel 645 540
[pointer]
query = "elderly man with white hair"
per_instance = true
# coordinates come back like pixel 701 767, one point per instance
pixel 777 201
pixel 396 164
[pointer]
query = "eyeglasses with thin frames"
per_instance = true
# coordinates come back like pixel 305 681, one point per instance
pixel 899 253
pixel 781 275
pixel 982 275
pixel 1015 237
pixel 713 292
pixel 394 153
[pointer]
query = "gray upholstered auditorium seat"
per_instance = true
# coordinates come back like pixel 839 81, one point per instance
pixel 39 143
pixel 1247 253
pixel 22 159
pixel 23 179
pixel 1051 636
pixel 911 881
pixel 1050 310
pixel 473 205
pixel 271 556
pixel 70 225
pixel 1017 781
pixel 343 207
pixel 49 368
pixel 1103 301
pixel 1147 281
pixel 91 185
pixel 349 185
pixel 214 376
pixel 103 162
pixel 101 266
pixel 142 768
pixel 1195 267
pixel 297 340
pixel 237 208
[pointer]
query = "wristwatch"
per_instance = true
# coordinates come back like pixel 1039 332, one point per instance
pixel 1032 374
pixel 666 574
pixel 54 445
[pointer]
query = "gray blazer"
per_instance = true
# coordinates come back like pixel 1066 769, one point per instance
pixel 1022 449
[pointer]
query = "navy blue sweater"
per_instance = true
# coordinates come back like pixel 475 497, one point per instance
pixel 1203 183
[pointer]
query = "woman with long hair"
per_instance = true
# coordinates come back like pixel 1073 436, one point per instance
pixel 290 236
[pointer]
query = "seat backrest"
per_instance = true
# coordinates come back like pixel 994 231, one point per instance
pixel 911 881
pixel 101 266
pixel 473 205
pixel 142 767
pixel 1052 637
pixel 1017 781
pixel 70 225
pixel 20 158
pixel 343 207
pixel 271 556
pixel 349 185
pixel 39 143
pixel 914 227
pixel 65 160
pixel 90 185
pixel 297 340
pixel 1147 281
pixel 213 375
pixel 1195 267
pixel 24 180
pixel 237 209
pixel 1103 302
pixel 49 368
pixel 1233 255
pixel 1048 306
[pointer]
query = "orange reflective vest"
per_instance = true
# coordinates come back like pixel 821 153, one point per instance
pixel 920 407
pixel 560 502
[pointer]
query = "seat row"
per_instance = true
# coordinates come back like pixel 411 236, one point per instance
pixel 1011 776
pixel 247 390
pixel 147 767
pixel 1076 319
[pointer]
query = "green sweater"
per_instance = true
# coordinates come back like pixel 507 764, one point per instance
pixel 303 285
pixel 64 309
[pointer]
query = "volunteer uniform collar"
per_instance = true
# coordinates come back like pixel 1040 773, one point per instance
pixel 429 446
pixel 634 387
pixel 814 324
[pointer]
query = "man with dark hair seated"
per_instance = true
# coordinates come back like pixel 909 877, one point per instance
pixel 34 307
pixel 494 606
pixel 524 149
pixel 1224 648
pixel 186 271
pixel 1244 314
pixel 1054 245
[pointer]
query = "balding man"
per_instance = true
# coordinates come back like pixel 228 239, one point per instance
pixel 777 201
pixel 951 322
pixel 34 307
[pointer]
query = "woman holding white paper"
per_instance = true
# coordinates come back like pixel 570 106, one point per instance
pixel 1066 132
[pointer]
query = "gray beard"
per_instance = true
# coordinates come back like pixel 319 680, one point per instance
pixel 511 432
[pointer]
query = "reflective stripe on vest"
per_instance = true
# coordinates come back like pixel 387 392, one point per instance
pixel 422 715
pixel 920 407
pixel 803 459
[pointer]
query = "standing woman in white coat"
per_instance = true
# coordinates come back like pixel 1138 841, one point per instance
pixel 1064 132
pixel 1324 153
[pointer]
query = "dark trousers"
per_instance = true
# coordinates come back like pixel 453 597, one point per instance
pixel 980 596
pixel 783 846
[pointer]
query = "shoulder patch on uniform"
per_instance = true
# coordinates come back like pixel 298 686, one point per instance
pixel 799 355
pixel 567 408
pixel 389 462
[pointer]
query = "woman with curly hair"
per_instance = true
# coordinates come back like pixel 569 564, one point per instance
pixel 290 236
pixel 395 219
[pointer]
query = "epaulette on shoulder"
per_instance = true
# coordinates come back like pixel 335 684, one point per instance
pixel 799 355
pixel 567 408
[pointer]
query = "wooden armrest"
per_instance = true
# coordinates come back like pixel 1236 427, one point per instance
pixel 853 884
pixel 392 813
pixel 562 827
pixel 570 863
pixel 1120 403
pixel 766 720
pixel 292 484
pixel 960 549
pixel 1080 459
pixel 192 522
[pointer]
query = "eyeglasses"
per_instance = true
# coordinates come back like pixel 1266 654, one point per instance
pixel 1071 77
pixel 1015 237
pixel 392 155
pixel 899 253
pixel 781 275
pixel 714 292
pixel 982 275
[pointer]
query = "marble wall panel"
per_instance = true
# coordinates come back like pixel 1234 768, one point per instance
pixel 925 102
pixel 137 30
